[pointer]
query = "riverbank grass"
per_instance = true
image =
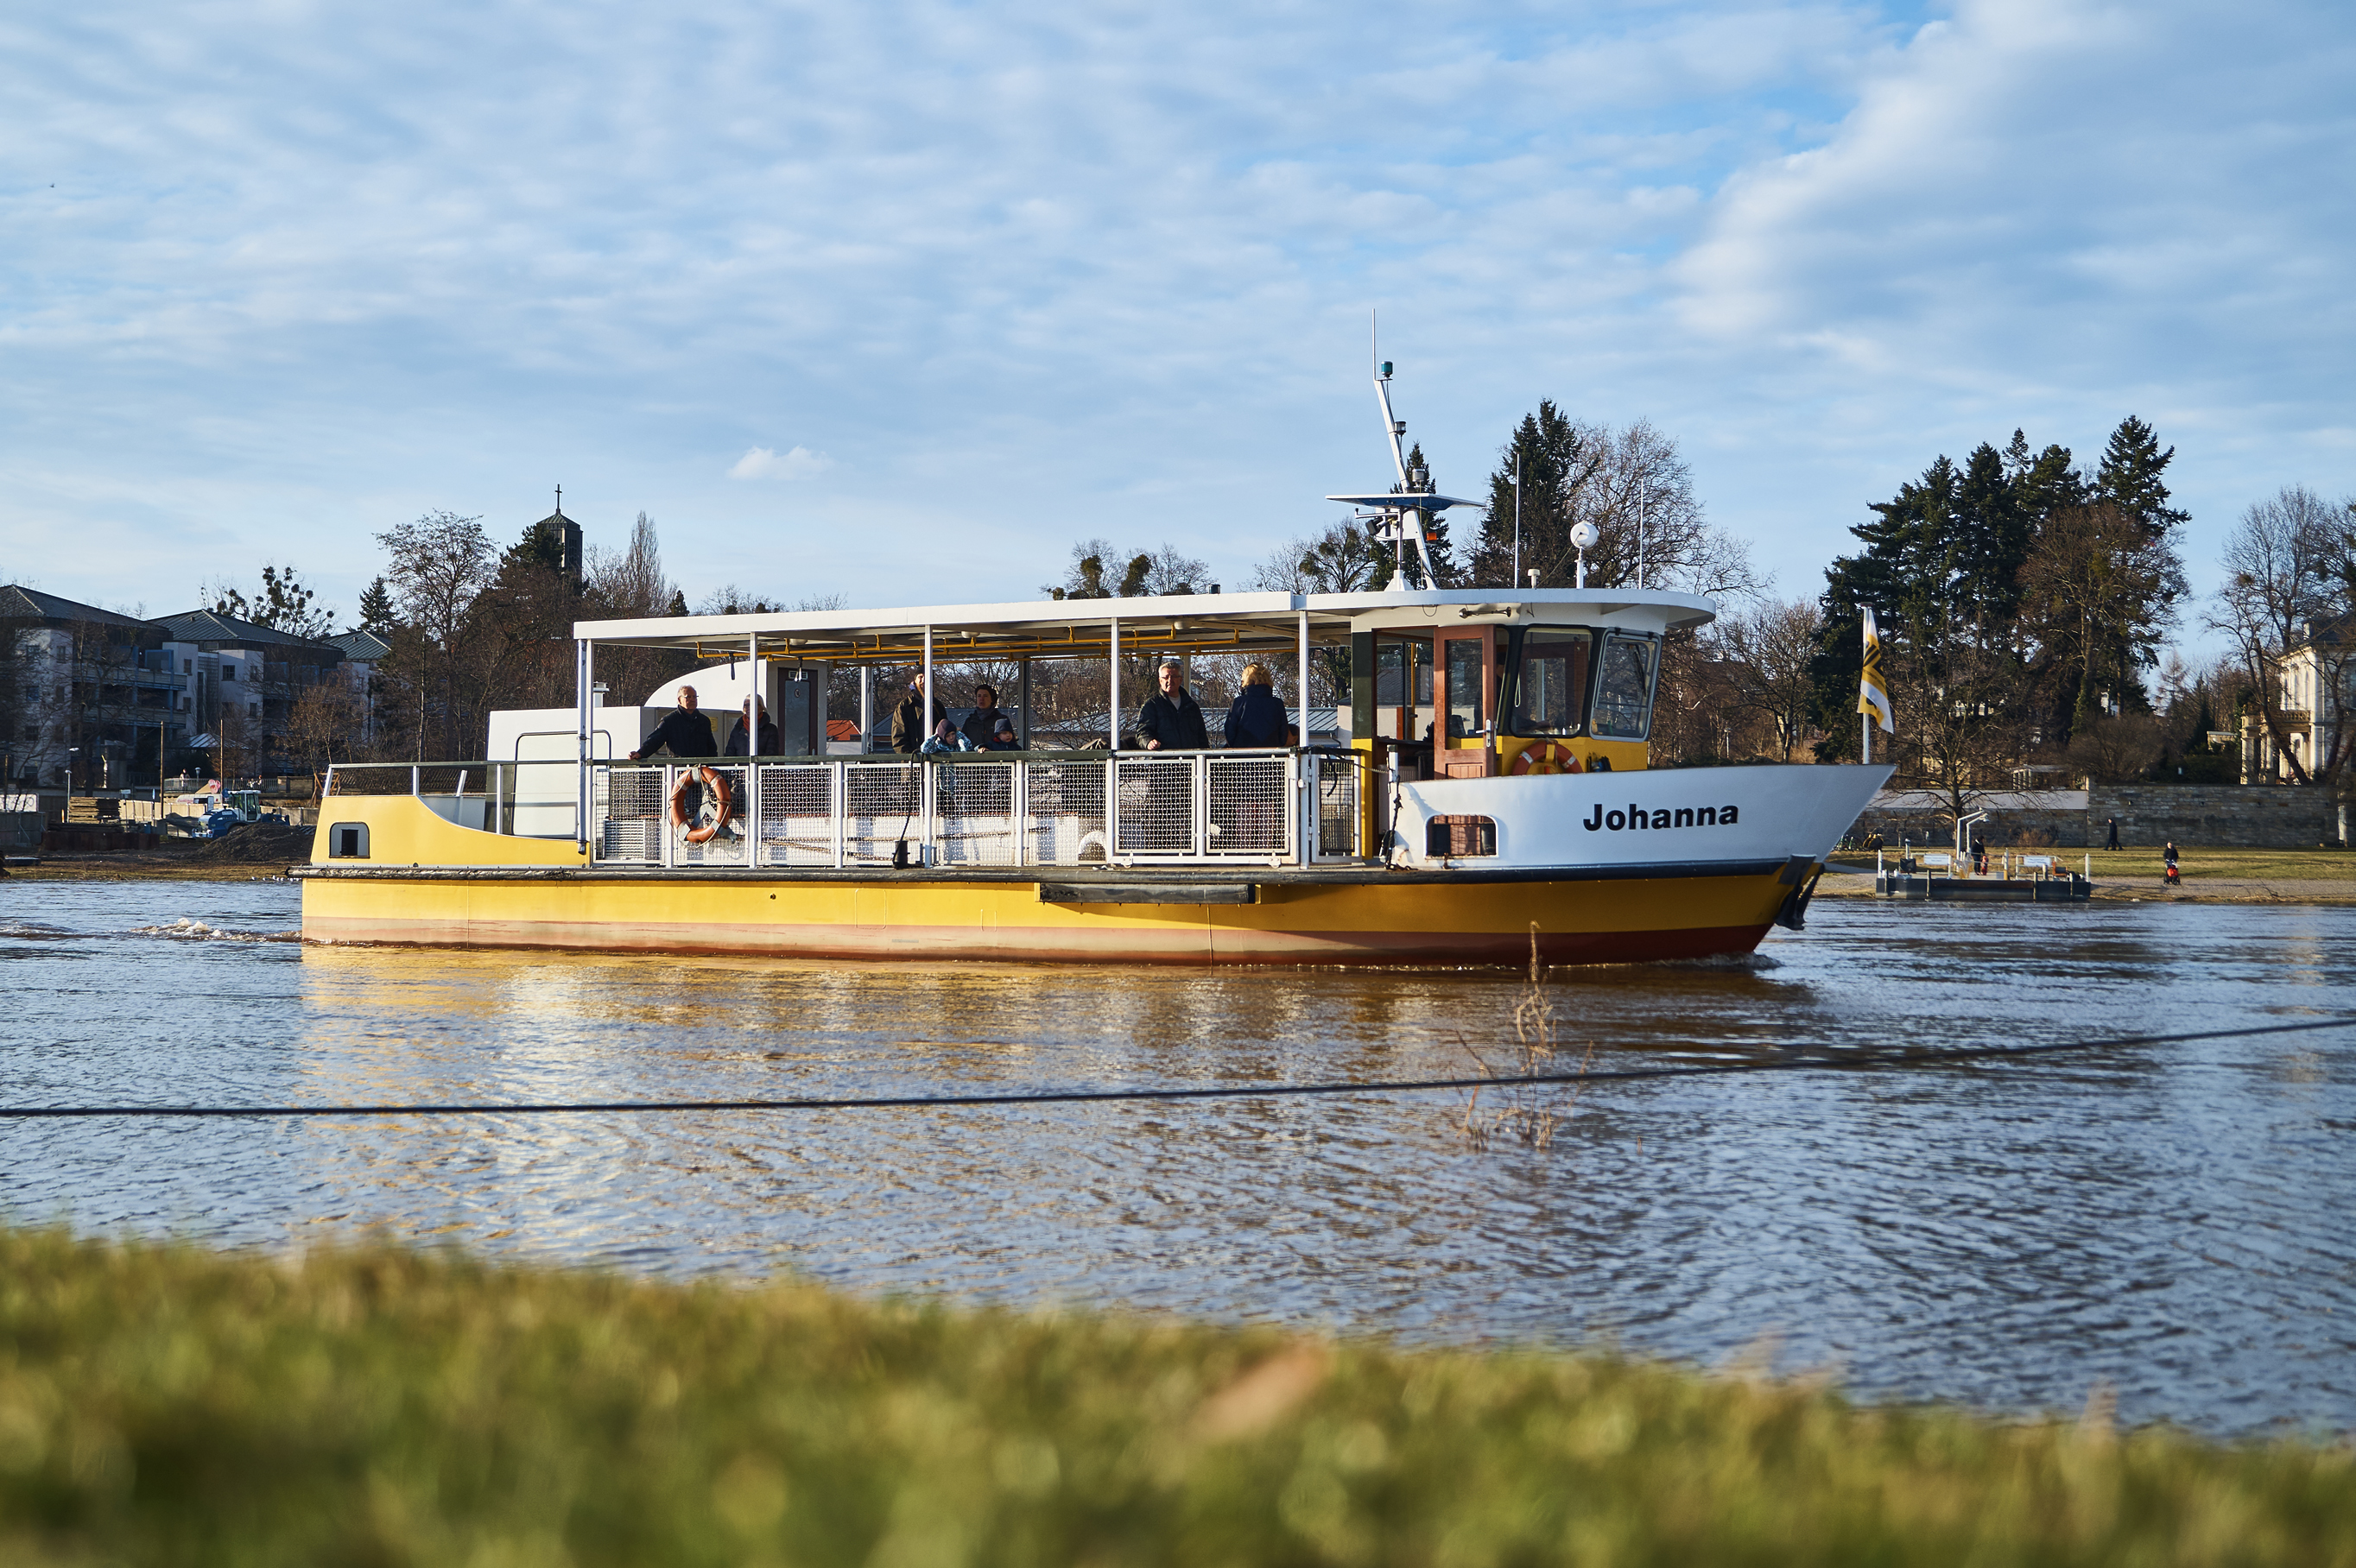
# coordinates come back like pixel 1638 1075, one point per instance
pixel 375 1405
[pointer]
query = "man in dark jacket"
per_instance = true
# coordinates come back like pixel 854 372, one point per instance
pixel 687 732
pixel 764 737
pixel 1170 721
pixel 908 726
pixel 982 723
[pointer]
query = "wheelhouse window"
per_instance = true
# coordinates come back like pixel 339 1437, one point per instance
pixel 1391 676
pixel 1465 659
pixel 1623 687
pixel 1549 690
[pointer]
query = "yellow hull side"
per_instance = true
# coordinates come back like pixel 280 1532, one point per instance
pixel 900 916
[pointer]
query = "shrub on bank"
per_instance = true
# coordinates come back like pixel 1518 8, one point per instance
pixel 375 1405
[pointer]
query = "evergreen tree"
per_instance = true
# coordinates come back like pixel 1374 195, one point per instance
pixel 1559 457
pixel 2129 477
pixel 376 614
pixel 1446 572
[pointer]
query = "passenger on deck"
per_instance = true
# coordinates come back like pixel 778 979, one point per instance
pixel 908 726
pixel 687 732
pixel 984 721
pixel 764 739
pixel 1003 738
pixel 1257 719
pixel 946 737
pixel 1170 721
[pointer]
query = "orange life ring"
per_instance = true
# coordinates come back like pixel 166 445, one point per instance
pixel 1547 757
pixel 721 803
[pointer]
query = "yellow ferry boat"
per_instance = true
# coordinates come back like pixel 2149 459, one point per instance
pixel 1488 775
pixel 1487 778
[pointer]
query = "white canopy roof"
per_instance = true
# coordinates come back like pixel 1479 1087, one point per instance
pixel 1190 622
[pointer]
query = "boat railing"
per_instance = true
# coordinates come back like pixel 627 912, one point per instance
pixel 1285 807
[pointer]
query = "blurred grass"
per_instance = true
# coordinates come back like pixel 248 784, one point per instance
pixel 164 1404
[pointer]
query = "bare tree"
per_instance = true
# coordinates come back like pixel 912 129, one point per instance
pixel 1099 571
pixel 282 602
pixel 2117 750
pixel 1958 703
pixel 324 725
pixel 438 565
pixel 1341 560
pixel 2289 565
pixel 1773 648
pixel 632 585
pixel 1637 488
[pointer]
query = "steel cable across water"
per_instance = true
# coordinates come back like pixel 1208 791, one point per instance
pixel 1794 1061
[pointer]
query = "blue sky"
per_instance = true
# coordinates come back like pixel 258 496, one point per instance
pixel 898 301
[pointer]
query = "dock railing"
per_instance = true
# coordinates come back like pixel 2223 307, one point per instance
pixel 1041 808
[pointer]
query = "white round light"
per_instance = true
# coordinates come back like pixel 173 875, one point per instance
pixel 1583 536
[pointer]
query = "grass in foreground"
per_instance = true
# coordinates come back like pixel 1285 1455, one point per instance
pixel 165 1404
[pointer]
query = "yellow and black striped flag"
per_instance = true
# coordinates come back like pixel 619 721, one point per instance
pixel 1872 695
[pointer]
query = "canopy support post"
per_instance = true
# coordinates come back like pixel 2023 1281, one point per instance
pixel 1112 702
pixel 927 724
pixel 582 670
pixel 1305 677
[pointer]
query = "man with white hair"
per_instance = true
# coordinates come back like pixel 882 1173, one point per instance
pixel 1170 721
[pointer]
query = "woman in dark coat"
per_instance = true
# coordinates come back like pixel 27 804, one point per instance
pixel 1257 719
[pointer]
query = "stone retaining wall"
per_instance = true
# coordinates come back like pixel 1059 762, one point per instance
pixel 2243 816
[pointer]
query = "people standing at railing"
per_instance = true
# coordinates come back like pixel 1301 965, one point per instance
pixel 1001 738
pixel 984 721
pixel 908 726
pixel 1257 719
pixel 685 732
pixel 763 739
pixel 1170 721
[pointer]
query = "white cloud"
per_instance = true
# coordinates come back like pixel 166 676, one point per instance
pixel 765 462
pixel 316 268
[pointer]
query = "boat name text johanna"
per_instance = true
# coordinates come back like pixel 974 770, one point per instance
pixel 1635 816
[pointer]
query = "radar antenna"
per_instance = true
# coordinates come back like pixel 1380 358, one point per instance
pixel 1402 516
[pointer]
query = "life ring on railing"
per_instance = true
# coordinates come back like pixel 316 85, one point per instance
pixel 1547 757
pixel 711 813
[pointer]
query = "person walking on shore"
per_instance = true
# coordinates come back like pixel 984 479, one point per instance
pixel 2114 841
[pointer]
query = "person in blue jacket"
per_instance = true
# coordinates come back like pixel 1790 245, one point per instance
pixel 1257 719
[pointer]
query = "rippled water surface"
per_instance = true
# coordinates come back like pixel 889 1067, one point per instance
pixel 2173 1221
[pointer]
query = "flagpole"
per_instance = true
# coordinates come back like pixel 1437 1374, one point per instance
pixel 1865 716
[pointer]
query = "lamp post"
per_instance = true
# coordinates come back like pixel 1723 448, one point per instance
pixel 1515 580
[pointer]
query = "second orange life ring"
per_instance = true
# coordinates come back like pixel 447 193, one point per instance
pixel 711 815
pixel 1547 757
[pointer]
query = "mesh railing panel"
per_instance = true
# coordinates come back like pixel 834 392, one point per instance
pixel 883 803
pixel 1335 781
pixel 713 803
pixel 1066 813
pixel 1156 804
pixel 973 804
pixel 628 810
pixel 1246 804
pixel 796 815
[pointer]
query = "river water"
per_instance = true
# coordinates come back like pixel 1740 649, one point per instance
pixel 2173 1221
